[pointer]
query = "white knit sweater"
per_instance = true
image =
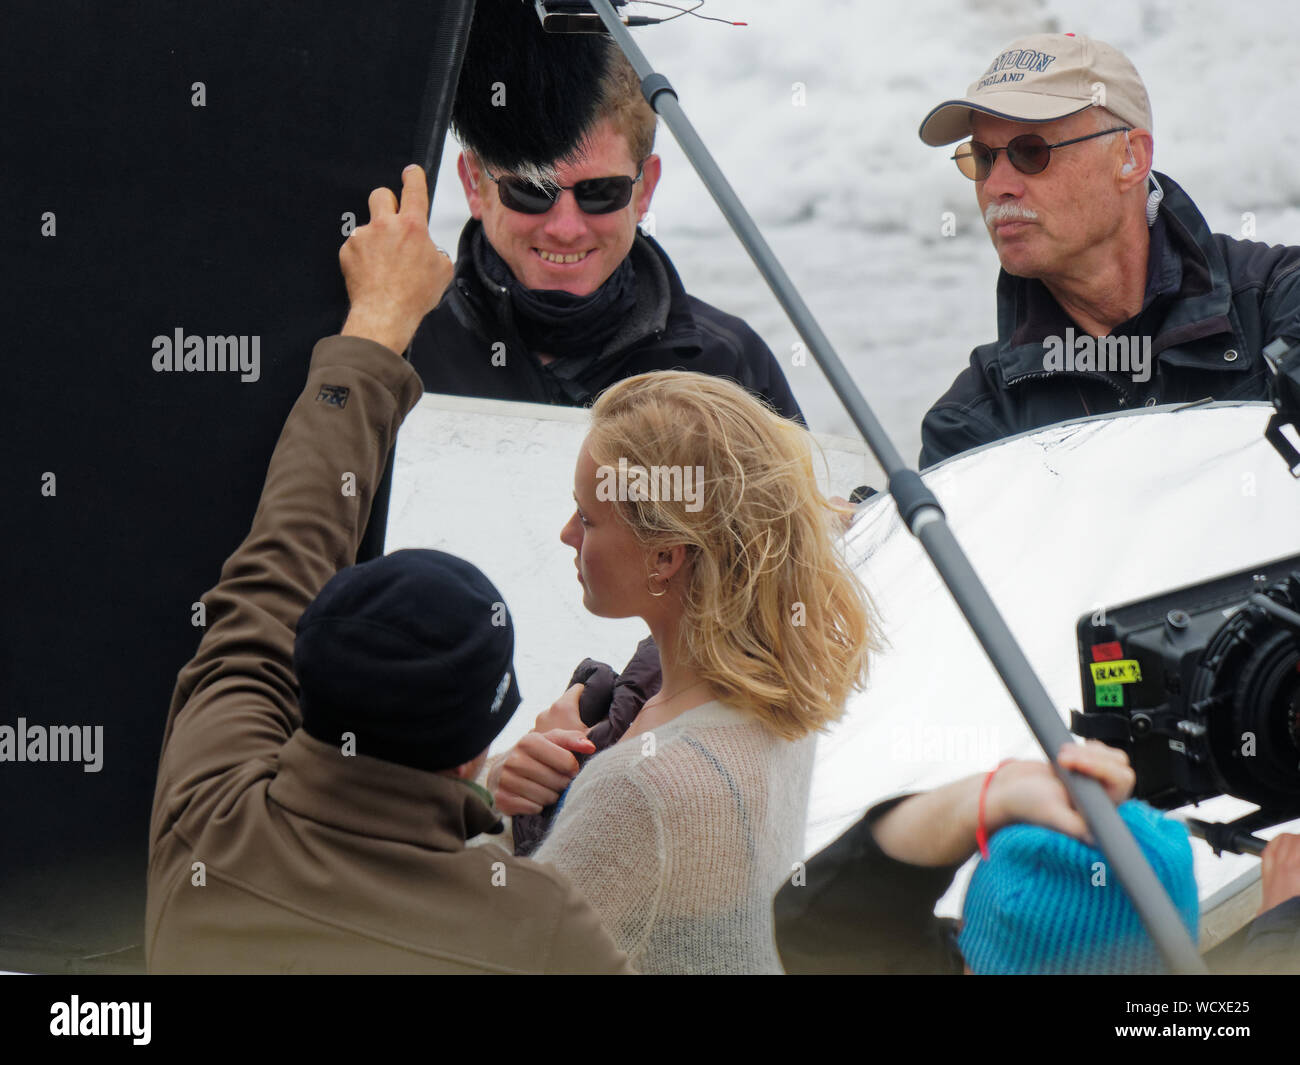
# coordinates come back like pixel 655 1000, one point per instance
pixel 680 841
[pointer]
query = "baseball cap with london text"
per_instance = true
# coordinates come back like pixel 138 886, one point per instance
pixel 1042 78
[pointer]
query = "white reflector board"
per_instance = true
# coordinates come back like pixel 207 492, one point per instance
pixel 1057 523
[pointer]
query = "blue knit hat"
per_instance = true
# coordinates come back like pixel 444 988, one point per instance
pixel 1044 902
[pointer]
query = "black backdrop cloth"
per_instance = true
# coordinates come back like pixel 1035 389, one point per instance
pixel 170 166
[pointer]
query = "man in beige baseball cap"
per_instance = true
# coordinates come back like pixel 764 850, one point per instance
pixel 1042 78
pixel 1113 292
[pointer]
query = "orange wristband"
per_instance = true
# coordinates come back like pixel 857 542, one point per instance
pixel 981 832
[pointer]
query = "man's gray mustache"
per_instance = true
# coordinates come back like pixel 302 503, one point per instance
pixel 1007 212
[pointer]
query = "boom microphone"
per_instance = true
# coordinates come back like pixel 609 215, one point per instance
pixel 527 99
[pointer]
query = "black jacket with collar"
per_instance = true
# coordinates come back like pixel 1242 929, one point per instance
pixel 468 346
pixel 860 911
pixel 1212 302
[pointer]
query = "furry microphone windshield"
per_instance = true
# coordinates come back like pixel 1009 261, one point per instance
pixel 527 99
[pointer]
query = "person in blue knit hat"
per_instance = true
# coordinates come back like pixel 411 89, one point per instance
pixel 1042 900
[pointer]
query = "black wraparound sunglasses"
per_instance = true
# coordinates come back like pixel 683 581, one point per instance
pixel 594 196
pixel 1028 153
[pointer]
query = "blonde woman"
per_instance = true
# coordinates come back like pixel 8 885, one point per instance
pixel 698 511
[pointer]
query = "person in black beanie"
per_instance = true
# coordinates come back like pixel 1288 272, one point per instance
pixel 410 655
pixel 340 845
pixel 557 294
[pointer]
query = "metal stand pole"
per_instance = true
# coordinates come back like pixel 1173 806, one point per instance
pixel 444 70
pixel 454 19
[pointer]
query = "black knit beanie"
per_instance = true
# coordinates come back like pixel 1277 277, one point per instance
pixel 412 653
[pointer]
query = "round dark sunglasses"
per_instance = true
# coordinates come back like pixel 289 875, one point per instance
pixel 1028 153
pixel 594 196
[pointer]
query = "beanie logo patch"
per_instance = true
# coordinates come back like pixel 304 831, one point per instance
pixel 333 395
pixel 500 696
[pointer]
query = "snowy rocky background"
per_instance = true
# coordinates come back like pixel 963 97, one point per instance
pixel 853 202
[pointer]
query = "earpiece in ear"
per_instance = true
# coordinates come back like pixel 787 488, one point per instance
pixel 1127 168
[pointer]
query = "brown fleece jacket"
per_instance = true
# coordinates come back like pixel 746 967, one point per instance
pixel 273 852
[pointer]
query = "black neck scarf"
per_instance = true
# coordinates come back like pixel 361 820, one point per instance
pixel 560 323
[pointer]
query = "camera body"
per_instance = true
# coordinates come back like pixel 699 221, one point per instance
pixel 1201 686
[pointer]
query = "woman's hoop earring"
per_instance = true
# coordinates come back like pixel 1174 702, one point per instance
pixel 657 595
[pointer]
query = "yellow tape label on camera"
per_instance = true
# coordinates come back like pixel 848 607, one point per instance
pixel 1121 671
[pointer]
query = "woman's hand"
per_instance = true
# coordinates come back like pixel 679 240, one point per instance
pixel 538 770
pixel 563 713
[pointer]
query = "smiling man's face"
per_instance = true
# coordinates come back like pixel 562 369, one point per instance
pixel 1043 222
pixel 566 249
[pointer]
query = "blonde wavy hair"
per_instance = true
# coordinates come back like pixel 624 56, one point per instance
pixel 775 621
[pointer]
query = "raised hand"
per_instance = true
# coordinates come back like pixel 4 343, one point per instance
pixel 394 272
